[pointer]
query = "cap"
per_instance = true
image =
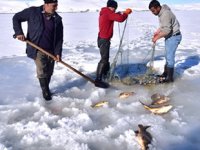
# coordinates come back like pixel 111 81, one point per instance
pixel 112 3
pixel 50 1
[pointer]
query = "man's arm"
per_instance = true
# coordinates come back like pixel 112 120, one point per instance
pixel 158 35
pixel 59 41
pixel 165 27
pixel 18 18
pixel 118 17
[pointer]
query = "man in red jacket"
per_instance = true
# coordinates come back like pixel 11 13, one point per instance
pixel 106 23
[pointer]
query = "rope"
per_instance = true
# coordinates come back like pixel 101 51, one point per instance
pixel 119 30
pixel 113 65
pixel 152 55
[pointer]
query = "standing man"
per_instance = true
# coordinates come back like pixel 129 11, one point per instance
pixel 170 30
pixel 45 29
pixel 106 22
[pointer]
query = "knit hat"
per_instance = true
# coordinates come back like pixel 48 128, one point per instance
pixel 112 3
pixel 50 1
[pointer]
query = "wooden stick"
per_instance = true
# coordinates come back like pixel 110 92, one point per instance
pixel 62 62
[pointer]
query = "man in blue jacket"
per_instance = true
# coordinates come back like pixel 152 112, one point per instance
pixel 45 29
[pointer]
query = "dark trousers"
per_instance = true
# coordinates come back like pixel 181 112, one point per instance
pixel 44 65
pixel 103 65
pixel 104 46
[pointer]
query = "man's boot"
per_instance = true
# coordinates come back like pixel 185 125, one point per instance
pixel 170 75
pixel 106 70
pixel 99 73
pixel 49 79
pixel 45 88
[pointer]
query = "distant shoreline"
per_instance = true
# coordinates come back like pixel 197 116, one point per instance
pixel 96 11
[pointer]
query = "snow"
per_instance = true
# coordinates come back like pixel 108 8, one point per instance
pixel 69 122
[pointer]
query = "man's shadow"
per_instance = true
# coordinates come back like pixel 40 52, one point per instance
pixel 66 84
pixel 189 62
pixel 190 142
pixel 120 71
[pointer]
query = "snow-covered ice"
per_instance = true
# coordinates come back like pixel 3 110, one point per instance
pixel 68 122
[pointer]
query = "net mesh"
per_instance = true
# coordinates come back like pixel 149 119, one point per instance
pixel 126 71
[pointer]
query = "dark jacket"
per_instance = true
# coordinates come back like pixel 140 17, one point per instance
pixel 33 16
pixel 106 22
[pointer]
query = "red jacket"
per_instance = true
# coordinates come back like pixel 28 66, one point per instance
pixel 106 22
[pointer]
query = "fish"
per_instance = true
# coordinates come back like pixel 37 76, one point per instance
pixel 125 94
pixel 99 104
pixel 143 137
pixel 158 109
pixel 159 99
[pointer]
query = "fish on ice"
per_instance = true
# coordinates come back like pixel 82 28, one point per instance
pixel 99 104
pixel 143 137
pixel 126 94
pixel 158 109
pixel 159 99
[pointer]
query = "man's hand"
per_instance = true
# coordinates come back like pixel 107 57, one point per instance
pixel 155 38
pixel 158 35
pixel 21 37
pixel 58 58
pixel 128 11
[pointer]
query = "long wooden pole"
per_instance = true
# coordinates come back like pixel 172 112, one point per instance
pixel 62 62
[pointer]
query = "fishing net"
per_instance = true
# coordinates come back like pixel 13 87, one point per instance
pixel 127 72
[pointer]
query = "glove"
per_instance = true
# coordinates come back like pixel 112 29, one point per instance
pixel 128 11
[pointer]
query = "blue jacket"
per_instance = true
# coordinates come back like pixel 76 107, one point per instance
pixel 33 16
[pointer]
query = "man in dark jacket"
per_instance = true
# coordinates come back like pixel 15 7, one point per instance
pixel 45 29
pixel 106 23
pixel 170 30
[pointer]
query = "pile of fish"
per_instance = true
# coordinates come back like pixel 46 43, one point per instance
pixel 146 79
pixel 159 105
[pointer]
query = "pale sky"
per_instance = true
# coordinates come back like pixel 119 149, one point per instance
pixel 79 5
pixel 161 1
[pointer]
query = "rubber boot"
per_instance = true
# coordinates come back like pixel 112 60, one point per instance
pixel 44 84
pixel 170 75
pixel 106 70
pixel 48 80
pixel 169 78
pixel 99 73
